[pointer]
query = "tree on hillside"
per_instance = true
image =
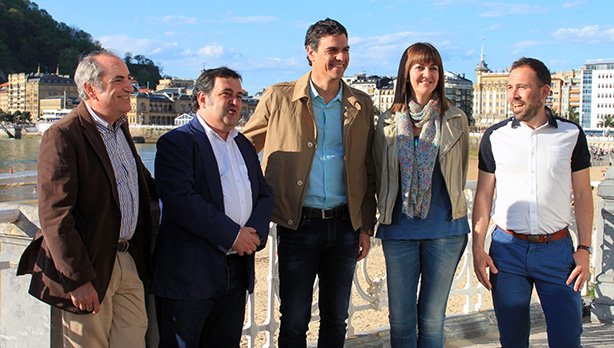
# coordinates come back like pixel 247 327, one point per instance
pixel 30 37
pixel 143 69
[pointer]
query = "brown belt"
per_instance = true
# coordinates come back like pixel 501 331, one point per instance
pixel 122 246
pixel 542 238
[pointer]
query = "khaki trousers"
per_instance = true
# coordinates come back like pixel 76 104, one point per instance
pixel 122 320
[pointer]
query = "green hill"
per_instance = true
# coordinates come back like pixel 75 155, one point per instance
pixel 29 36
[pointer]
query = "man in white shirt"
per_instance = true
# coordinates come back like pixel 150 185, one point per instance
pixel 215 216
pixel 533 160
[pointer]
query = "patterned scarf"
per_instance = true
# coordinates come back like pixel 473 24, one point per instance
pixel 417 157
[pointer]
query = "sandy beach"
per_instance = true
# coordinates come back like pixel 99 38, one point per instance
pixel 368 319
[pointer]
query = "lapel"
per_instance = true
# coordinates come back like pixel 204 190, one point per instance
pixel 93 137
pixel 350 106
pixel 212 174
pixel 449 132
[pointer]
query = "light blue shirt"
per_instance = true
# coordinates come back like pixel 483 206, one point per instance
pixel 326 188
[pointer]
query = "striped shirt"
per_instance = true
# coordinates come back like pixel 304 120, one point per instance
pixel 124 167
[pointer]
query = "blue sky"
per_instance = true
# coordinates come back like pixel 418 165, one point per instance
pixel 263 40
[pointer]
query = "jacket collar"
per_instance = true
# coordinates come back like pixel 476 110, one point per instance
pixel 551 119
pixel 301 91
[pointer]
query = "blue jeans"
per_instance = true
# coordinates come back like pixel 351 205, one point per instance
pixel 213 322
pixel 547 266
pixel 329 249
pixel 433 261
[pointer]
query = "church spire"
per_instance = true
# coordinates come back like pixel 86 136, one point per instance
pixel 482 66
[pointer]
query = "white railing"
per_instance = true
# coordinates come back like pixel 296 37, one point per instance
pixel 368 288
pixel 372 290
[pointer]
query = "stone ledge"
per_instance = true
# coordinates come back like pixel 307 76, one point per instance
pixel 457 327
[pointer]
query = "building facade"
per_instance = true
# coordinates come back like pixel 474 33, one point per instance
pixel 490 103
pixel 174 82
pixel 25 91
pixel 4 97
pixel 597 92
pixel 459 91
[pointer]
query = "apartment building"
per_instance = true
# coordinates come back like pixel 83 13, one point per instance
pixel 459 91
pixel 597 92
pixel 25 91
pixel 4 96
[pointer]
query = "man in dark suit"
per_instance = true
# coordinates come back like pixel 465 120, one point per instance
pixel 94 212
pixel 216 213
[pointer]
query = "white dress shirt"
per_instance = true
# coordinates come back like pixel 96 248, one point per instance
pixel 233 175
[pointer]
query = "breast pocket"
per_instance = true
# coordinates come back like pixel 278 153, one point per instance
pixel 559 158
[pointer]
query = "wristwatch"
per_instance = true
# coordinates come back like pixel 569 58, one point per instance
pixel 585 247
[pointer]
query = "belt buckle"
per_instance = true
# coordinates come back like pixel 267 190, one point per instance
pixel 533 238
pixel 323 212
pixel 123 246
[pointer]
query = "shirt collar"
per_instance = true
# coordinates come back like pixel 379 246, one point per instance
pixel 315 94
pixel 551 120
pixel 211 133
pixel 104 124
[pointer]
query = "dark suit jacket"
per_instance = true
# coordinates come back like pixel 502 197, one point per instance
pixel 80 213
pixel 195 233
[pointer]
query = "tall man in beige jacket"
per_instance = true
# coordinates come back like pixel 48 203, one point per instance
pixel 316 134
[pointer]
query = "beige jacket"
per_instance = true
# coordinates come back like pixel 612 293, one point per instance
pixel 283 125
pixel 453 157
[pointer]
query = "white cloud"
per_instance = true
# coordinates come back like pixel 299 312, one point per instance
pixel 381 54
pixel 178 20
pixel 501 9
pixel 574 3
pixel 253 19
pixel 451 2
pixel 492 27
pixel 533 43
pixel 125 43
pixel 214 50
pixel 591 34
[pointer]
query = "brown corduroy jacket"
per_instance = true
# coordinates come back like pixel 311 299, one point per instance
pixel 80 213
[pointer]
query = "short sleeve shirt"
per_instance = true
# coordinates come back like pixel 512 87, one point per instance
pixel 533 169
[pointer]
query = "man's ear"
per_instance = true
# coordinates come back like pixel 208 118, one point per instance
pixel 91 91
pixel 311 54
pixel 201 99
pixel 545 91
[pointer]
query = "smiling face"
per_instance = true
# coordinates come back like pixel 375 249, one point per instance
pixel 526 97
pixel 423 78
pixel 112 100
pixel 221 109
pixel 331 58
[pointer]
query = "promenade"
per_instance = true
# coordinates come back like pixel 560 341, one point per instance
pixel 596 335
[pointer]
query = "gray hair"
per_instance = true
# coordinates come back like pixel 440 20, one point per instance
pixel 90 71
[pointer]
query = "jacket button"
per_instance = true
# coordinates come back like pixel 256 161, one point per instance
pixel 299 183
pixel 290 222
pixel 310 144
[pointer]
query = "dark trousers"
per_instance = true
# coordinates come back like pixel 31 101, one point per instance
pixel 213 322
pixel 326 248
